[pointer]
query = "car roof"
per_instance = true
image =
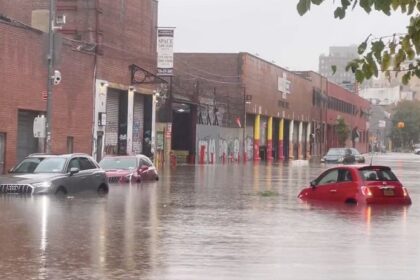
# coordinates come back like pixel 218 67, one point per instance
pixel 58 155
pixel 361 167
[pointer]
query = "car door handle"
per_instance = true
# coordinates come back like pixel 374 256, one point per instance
pixel 333 191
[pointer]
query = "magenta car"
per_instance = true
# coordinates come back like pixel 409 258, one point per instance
pixel 129 168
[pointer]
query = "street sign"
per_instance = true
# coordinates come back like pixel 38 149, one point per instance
pixel 381 124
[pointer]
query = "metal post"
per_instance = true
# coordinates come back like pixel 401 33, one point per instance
pixel 244 130
pixel 50 59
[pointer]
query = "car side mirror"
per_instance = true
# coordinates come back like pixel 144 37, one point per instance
pixel 313 184
pixel 74 170
pixel 143 168
pixel 10 170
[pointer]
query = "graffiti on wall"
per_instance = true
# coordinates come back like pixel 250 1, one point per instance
pixel 220 150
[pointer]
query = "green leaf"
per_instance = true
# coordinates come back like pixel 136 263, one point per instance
pixel 340 13
pixel 317 2
pixel 366 5
pixel 362 47
pixel 386 61
pixel 334 69
pixel 303 6
pixel 359 76
pixel 406 78
pixel 345 3
pixel 377 48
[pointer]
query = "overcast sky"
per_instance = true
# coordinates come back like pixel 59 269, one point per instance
pixel 270 28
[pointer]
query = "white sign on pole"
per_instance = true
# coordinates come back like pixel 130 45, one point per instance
pixel 39 127
pixel 165 52
pixel 382 124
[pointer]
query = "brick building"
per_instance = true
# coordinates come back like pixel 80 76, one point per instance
pixel 287 115
pixel 104 51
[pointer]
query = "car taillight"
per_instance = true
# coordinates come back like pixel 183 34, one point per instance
pixel 405 192
pixel 366 191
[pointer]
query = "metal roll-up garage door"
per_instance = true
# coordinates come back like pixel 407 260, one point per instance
pixel 27 143
pixel 111 129
pixel 138 123
pixel 263 131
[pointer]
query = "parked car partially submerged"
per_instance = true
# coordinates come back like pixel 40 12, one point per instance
pixel 357 184
pixel 129 168
pixel 343 155
pixel 416 148
pixel 59 174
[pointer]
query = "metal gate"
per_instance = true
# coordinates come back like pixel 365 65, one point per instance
pixel 2 151
pixel 111 129
pixel 27 143
pixel 138 123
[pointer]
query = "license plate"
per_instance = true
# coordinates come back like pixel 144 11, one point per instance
pixel 389 192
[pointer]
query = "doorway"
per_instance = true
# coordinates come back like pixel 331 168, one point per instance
pixel 26 143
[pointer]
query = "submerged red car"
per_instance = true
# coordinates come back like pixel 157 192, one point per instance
pixel 129 168
pixel 357 184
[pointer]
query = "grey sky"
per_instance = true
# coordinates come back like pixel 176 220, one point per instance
pixel 271 28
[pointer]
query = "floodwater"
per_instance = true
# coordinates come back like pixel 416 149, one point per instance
pixel 213 222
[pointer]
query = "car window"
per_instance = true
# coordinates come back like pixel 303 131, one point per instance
pixel 126 163
pixel 329 177
pixel 355 152
pixel 51 165
pixel 86 164
pixel 146 162
pixel 74 163
pixel 335 152
pixel 378 174
pixel 344 175
pixel 28 165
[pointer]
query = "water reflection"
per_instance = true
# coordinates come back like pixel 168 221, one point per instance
pixel 210 222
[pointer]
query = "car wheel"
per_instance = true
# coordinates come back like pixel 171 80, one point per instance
pixel 61 191
pixel 350 201
pixel 102 190
pixel 157 178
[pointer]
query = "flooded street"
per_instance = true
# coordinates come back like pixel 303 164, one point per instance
pixel 213 222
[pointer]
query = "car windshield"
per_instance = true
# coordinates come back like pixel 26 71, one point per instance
pixel 125 163
pixel 378 174
pixel 335 152
pixel 51 165
pixel 27 165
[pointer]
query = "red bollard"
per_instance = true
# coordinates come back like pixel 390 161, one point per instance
pixel 202 153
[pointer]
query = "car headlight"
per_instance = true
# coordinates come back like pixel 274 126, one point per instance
pixel 45 184
pixel 322 159
pixel 340 159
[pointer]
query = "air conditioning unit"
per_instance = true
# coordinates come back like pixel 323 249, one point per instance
pixel 60 20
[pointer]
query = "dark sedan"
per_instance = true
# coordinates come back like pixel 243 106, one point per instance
pixel 343 155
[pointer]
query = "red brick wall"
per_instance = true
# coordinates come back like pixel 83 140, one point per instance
pixel 219 79
pixel 23 75
pixel 129 37
pixel 261 81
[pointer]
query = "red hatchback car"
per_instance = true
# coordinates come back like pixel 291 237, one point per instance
pixel 357 184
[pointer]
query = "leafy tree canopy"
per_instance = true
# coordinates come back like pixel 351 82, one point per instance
pixel 396 53
pixel 407 112
pixel 342 132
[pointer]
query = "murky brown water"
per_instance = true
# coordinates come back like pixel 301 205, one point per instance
pixel 223 222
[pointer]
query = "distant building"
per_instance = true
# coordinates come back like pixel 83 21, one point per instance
pixel 340 57
pixel 386 95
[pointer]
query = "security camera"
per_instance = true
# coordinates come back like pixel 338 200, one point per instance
pixel 57 77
